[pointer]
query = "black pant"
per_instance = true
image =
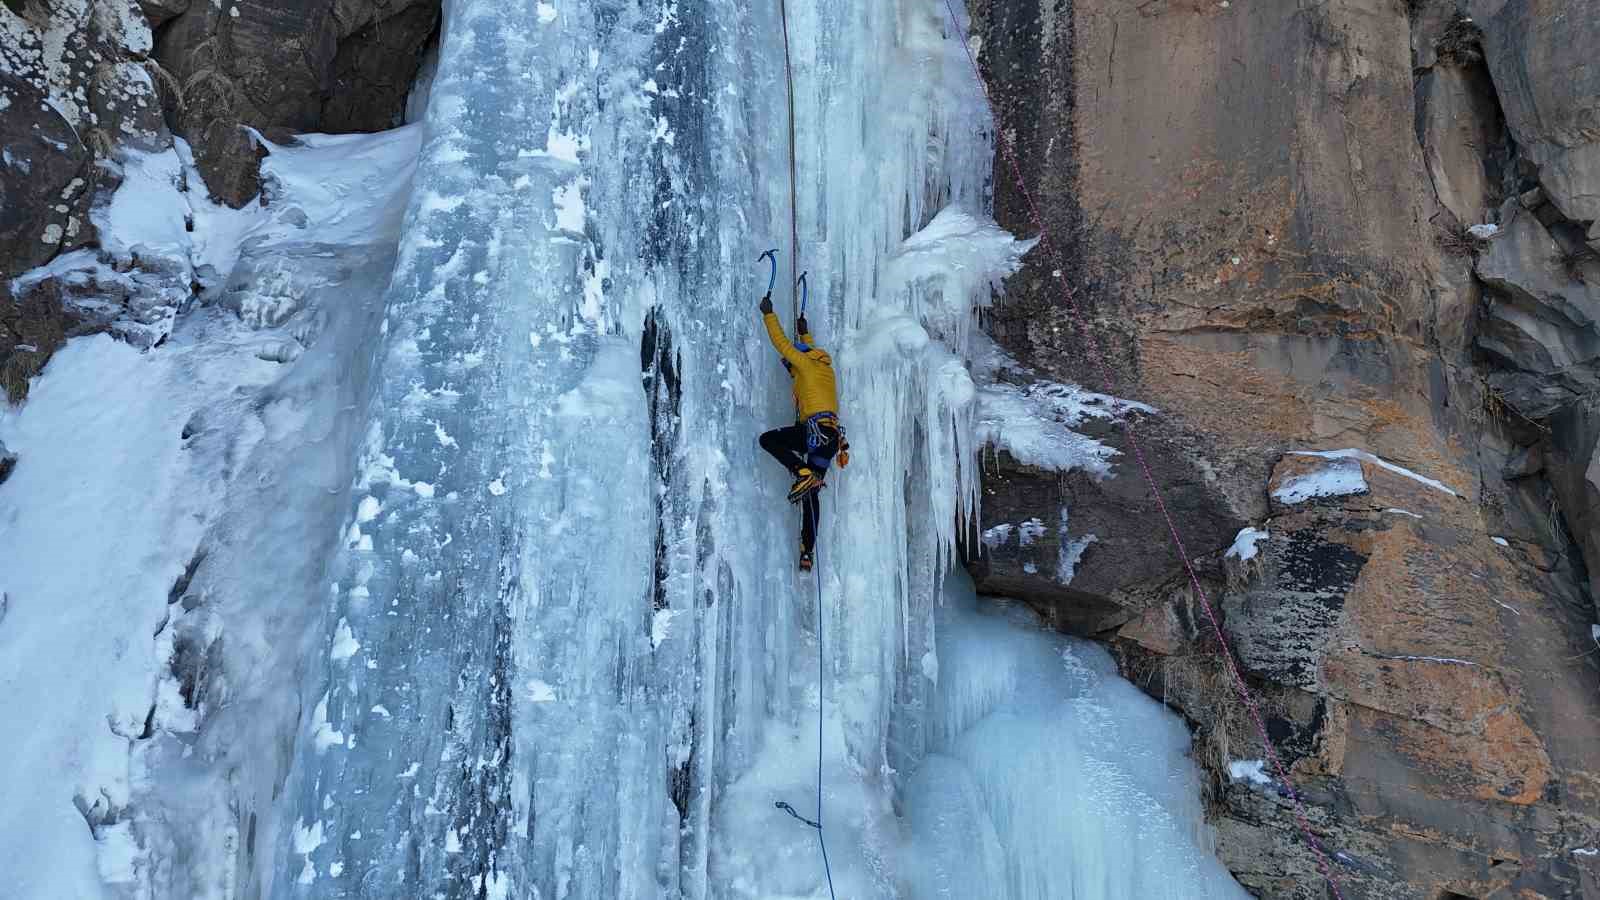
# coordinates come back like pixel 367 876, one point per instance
pixel 788 446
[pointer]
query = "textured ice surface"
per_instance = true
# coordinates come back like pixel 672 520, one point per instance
pixel 1039 752
pixel 502 590
pixel 179 501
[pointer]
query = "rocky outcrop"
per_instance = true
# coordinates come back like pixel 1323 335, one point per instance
pixel 73 86
pixel 1265 215
pixel 1541 55
pixel 1075 545
pixel 312 65
pixel 84 83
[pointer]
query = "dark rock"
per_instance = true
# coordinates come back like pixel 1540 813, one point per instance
pixel 8 461
pixel 308 65
pixel 1464 140
pixel 1266 270
pixel 1067 543
pixel 1572 182
pixel 1528 264
pixel 1541 54
pixel 1526 462
pixel 1574 464
pixel 32 327
pixel 375 68
pixel 127 107
pixel 1539 324
pixel 159 12
pixel 43 173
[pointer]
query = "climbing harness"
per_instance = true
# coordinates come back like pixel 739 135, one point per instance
pixel 1107 383
pixel 816 440
pixel 822 838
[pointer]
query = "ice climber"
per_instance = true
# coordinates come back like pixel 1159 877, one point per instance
pixel 809 446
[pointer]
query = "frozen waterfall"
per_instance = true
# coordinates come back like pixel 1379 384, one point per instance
pixel 532 624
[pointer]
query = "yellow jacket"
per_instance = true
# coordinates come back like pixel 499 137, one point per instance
pixel 815 389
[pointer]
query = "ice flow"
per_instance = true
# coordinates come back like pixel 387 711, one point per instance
pixel 562 651
pixel 595 663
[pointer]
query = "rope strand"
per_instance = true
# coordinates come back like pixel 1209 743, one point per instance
pixel 794 207
pixel 822 839
pixel 810 512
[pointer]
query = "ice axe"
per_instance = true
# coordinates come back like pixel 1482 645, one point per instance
pixel 771 256
pixel 805 294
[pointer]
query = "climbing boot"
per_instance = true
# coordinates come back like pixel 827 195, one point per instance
pixel 805 560
pixel 807 481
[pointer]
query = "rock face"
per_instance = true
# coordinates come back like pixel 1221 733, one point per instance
pixel 73 85
pixel 1261 214
pixel 308 65
pixel 84 82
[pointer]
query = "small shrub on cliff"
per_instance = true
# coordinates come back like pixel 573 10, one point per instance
pixel 1456 240
pixel 1461 43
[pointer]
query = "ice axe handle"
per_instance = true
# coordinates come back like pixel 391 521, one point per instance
pixel 771 256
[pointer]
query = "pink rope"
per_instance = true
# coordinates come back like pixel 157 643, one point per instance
pixel 1144 467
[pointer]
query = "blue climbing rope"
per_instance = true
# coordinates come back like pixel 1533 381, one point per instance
pixel 822 839
pixel 794 252
pixel 821 683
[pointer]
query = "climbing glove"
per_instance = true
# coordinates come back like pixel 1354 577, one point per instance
pixel 766 304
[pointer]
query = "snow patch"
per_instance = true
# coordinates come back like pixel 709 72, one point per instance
pixel 661 626
pixel 1245 544
pixel 345 644
pixel 323 734
pixel 1352 453
pixel 1035 423
pixel 1338 478
pixel 1253 771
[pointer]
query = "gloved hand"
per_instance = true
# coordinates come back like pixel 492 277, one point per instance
pixel 801 326
pixel 766 304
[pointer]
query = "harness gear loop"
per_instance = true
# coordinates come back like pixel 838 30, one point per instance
pixel 815 439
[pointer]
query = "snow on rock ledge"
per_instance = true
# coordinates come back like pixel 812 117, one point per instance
pixel 1301 479
pixel 1036 420
pixel 1245 544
